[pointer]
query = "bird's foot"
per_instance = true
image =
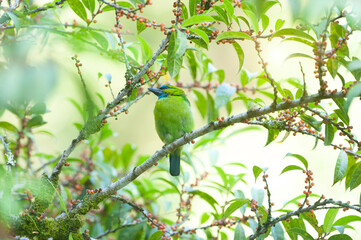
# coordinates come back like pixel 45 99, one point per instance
pixel 164 148
pixel 186 137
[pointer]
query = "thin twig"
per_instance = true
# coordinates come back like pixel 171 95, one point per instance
pixel 269 216
pixel 264 66
pixel 121 226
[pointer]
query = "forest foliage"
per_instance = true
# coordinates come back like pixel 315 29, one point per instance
pixel 95 192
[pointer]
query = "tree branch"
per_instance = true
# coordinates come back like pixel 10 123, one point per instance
pixel 93 200
pixel 319 204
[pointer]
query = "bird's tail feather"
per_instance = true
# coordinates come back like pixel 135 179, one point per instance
pixel 174 159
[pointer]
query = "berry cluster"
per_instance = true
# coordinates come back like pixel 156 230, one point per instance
pixel 320 64
pixel 29 195
pixel 177 11
pixel 309 183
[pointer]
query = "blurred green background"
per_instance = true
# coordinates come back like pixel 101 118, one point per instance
pixel 42 68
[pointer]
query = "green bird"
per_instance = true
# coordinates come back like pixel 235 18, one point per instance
pixel 173 118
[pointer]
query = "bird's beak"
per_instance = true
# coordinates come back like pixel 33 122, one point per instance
pixel 156 91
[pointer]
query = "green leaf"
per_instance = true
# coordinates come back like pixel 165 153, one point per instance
pixel 78 8
pixel 120 4
pixel 295 200
pixel 301 40
pixel 205 217
pixel 146 50
pixel 288 93
pixel 126 155
pixel 291 168
pixel 222 174
pixel 240 194
pixel 15 19
pixel 329 134
pixel 251 14
pixel 223 95
pixel 192 7
pixel 201 34
pixel 287 134
pixel 244 77
pixel 298 157
pixel 329 219
pixel 343 116
pixel 236 204
pixel 244 20
pixel 352 165
pixel 300 232
pixel 355 179
pixel 346 220
pixel 239 233
pixel 256 172
pixel 229 108
pixel 205 196
pixel 295 82
pixel 311 219
pixel 272 135
pixel 279 24
pixel 192 61
pixel 265 22
pixel 341 167
pixel 293 55
pixel 170 183
pixel 277 232
pixel 89 4
pixel 39 108
pixel 293 32
pixel 332 66
pixel 340 237
pixel 184 12
pixel 35 121
pixel 221 75
pixel 229 10
pixel 341 112
pixel 201 103
pixel 197 19
pixel 8 126
pixel 176 49
pixel 312 121
pixel 212 112
pixel 355 68
pixel 258 195
pixel 222 14
pixel 140 27
pixel 233 35
pixel 156 235
pixel 240 54
pixel 355 91
pixel 268 4
pixel 102 40
pixel 294 223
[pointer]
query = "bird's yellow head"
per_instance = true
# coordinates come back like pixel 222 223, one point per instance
pixel 166 91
